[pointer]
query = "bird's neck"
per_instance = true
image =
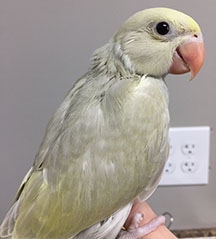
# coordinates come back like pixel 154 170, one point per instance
pixel 110 60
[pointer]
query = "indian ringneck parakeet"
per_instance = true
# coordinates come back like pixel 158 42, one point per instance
pixel 107 143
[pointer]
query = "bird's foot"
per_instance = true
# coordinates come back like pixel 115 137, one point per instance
pixel 134 231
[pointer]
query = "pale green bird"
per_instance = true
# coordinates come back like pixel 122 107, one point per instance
pixel 107 143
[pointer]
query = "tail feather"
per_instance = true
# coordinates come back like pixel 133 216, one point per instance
pixel 7 226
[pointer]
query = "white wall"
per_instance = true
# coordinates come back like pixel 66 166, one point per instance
pixel 45 47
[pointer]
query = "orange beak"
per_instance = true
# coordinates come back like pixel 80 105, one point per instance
pixel 189 56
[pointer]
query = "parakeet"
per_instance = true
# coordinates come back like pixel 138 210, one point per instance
pixel 107 143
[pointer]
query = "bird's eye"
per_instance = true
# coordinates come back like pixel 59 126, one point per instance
pixel 162 28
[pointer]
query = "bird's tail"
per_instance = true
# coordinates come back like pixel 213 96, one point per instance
pixel 7 226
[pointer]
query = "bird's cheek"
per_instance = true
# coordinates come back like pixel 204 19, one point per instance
pixel 189 56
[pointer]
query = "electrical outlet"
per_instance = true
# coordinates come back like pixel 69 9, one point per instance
pixel 169 167
pixel 189 149
pixel 189 166
pixel 188 162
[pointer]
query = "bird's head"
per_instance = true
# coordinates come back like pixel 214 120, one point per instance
pixel 159 41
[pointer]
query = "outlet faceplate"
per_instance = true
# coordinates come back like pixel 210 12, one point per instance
pixel 188 162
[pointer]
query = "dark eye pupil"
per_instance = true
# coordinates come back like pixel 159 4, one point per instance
pixel 162 28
